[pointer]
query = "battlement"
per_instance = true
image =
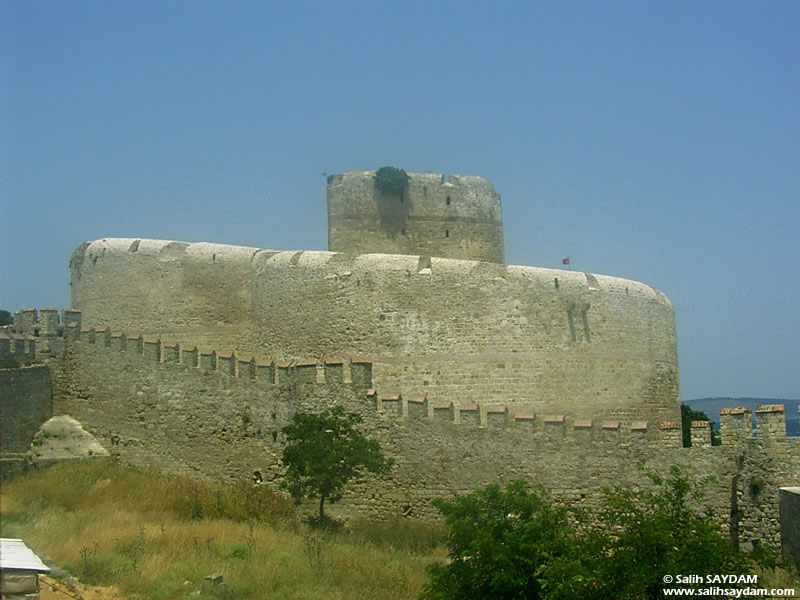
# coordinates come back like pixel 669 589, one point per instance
pixel 44 322
pixel 263 371
pixel 453 217
pixel 574 428
pixel 36 330
pixel 406 409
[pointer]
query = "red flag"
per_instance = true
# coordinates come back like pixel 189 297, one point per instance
pixel 565 261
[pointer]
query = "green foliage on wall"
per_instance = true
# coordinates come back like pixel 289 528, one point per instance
pixel 391 180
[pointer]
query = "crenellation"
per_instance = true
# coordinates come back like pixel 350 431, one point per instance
pixel 671 434
pixel 171 352
pixel 283 372
pixel 771 421
pixel 552 429
pixel 190 357
pixel 207 360
pixel 246 367
pixel 71 317
pixel 497 416
pixel 736 425
pixel 444 411
pixel 469 414
pixel 417 407
pixel 118 341
pixel 135 343
pixel 334 370
pixel 542 441
pixel 305 371
pixel 226 363
pixel 391 404
pixel 701 434
pixel 48 321
pixel 265 371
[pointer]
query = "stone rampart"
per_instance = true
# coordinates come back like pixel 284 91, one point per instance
pixel 459 331
pixel 174 290
pixel 164 409
pixel 25 403
pixel 466 331
pixel 456 217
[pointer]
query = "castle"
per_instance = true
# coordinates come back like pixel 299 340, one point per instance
pixel 416 283
pixel 190 357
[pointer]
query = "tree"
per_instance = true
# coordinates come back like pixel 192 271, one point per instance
pixel 324 452
pixel 503 542
pixel 6 318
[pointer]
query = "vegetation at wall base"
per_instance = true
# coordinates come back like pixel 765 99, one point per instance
pixel 391 180
pixel 512 542
pixel 157 537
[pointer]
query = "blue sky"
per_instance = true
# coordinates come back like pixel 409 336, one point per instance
pixel 656 141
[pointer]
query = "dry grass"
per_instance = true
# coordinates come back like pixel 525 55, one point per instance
pixel 157 537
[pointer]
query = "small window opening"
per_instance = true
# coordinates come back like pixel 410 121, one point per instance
pixel 447 233
pixel 448 201
pixel 404 231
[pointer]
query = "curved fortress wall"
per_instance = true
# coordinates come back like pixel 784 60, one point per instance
pixel 557 342
pixel 191 293
pixel 469 332
pixel 458 217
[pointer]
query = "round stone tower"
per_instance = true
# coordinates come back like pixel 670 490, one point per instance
pixel 456 217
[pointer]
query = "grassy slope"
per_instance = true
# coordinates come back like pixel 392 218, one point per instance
pixel 158 537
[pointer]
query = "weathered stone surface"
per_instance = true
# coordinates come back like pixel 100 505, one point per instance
pixel 63 438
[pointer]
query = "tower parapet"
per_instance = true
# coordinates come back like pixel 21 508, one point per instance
pixel 448 217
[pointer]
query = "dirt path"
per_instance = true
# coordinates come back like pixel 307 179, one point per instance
pixel 54 589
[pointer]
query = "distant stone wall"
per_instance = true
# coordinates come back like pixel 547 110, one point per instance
pixel 456 217
pixel 25 403
pixel 212 415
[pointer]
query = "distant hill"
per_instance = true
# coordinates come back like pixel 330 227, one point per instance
pixel 712 406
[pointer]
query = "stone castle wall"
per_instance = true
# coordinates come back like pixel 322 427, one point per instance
pixel 466 331
pixel 215 415
pixel 174 290
pixel 25 403
pixel 456 217
pixel 461 331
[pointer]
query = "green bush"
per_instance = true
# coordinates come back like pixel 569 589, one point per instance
pixel 512 543
pixel 502 541
pixel 391 180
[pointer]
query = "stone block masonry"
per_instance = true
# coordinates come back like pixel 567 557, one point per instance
pixel 467 371
pixel 25 403
pixel 223 423
pixel 454 217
